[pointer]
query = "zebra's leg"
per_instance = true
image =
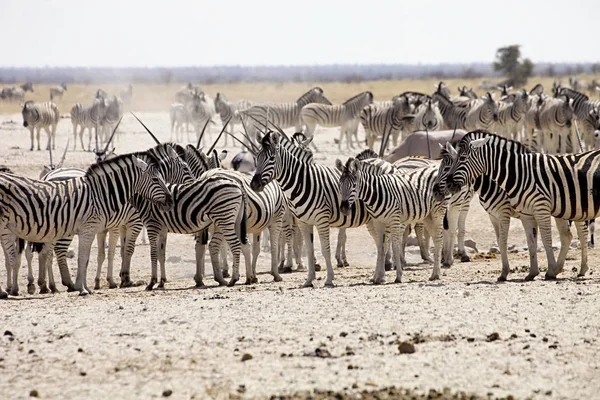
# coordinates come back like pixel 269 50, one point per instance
pixel 29 259
pixel 9 244
pixel 74 135
pixel 154 239
pixel 460 236
pixel 61 247
pixel 397 234
pixel 530 225
pixel 129 235
pixel 101 241
pixel 255 252
pixel 162 251
pixel 308 236
pixel 201 241
pixel 450 225
pixel 51 281
pixel 433 224
pixel 214 249
pixel 582 233
pixel 81 137
pixel 545 225
pixel 266 243
pixel 324 232
pixel 592 230
pixel 113 237
pixel 298 244
pixel 340 249
pixel 31 129
pixel 86 238
pixel 423 240
pixel 275 229
pixel 566 236
pixel 224 261
pixel 45 253
pixel 501 226
pixel 37 135
pixel 49 143
pixel 379 275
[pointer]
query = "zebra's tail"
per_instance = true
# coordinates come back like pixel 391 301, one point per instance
pixel 446 225
pixel 243 219
pixel 20 245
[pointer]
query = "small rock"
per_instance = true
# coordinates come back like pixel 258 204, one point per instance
pixel 83 373
pixel 343 334
pixel 553 346
pixel 355 385
pixel 8 333
pixel 470 340
pixel 406 348
pixel 70 254
pixel 80 350
pixel 322 352
pixel 34 393
pixel 494 250
pixel 174 259
pixel 247 356
pixel 525 347
pixel 471 244
pixel 167 393
pixel 493 337
pixel 545 339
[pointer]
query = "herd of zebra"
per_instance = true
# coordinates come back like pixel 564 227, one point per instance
pixel 284 191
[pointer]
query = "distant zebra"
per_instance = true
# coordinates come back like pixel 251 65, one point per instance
pixel 544 186
pixel 394 200
pixel 283 115
pixel 57 92
pixel 477 114
pixel 38 116
pixel 218 200
pixel 90 117
pixel 345 115
pixel 511 116
pixel 127 95
pixel 229 111
pixel 199 113
pixel 78 206
pixel 553 118
pixel 111 117
pixel 179 116
pixel 378 122
pixel 586 112
pixel 427 117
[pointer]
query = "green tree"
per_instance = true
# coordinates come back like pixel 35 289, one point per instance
pixel 509 62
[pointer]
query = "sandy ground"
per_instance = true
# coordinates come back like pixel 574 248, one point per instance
pixel 190 343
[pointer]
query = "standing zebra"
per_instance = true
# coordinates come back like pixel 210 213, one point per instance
pixel 41 115
pixel 541 185
pixel 179 115
pixel 111 117
pixel 427 117
pixel 511 115
pixel 394 200
pixel 586 112
pixel 58 91
pixel 229 110
pixel 383 122
pixel 312 191
pixel 553 118
pixel 78 206
pixel 197 205
pixel 87 118
pixel 127 95
pixel 476 114
pixel 283 115
pixel 344 115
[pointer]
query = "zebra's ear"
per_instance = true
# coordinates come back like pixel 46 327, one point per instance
pixel 339 165
pixel 275 138
pixel 172 153
pixel 451 150
pixel 480 142
pixel 141 164
pixel 223 155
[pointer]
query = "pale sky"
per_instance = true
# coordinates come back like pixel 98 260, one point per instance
pixel 281 32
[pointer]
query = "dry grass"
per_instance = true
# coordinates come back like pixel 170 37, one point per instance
pixel 158 97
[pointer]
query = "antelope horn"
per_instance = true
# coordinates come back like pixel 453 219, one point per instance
pixel 51 164
pixel 202 133
pixel 218 137
pixel 245 134
pixel 145 127
pixel 251 150
pixel 383 139
pixel 62 160
pixel 113 135
pixel 96 135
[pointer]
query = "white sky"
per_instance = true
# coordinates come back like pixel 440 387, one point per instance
pixel 288 32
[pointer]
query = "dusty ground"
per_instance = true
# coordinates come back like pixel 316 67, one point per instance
pixel 128 343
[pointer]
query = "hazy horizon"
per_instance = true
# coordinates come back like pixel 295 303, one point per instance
pixel 178 33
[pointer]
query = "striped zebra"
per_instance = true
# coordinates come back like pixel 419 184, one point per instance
pixel 57 92
pixel 111 117
pixel 394 200
pixel 90 117
pixel 586 112
pixel 77 206
pixel 197 205
pixel 179 115
pixel 229 110
pixel 541 185
pixel 266 210
pixel 511 115
pixel 312 191
pixel 476 114
pixel 38 116
pixel 497 204
pixel 553 118
pixel 378 122
pixel 283 115
pixel 345 115
pixel 427 117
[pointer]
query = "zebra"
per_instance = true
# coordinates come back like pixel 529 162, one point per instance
pixel 179 115
pixel 200 113
pixel 407 198
pixel 553 117
pixel 89 118
pixel 479 113
pixel 185 95
pixel 497 204
pixel 266 210
pixel 127 94
pixel 586 112
pixel 58 91
pixel 229 110
pixel 467 92
pixel 283 115
pixel 77 206
pixel 540 185
pixel 312 191
pixel 511 115
pixel 38 116
pixel 218 200
pixel 112 116
pixel 344 115
pixel 385 121
pixel 427 117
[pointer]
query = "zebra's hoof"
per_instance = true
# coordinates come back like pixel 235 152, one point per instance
pixel 590 245
pixel 398 280
pixel 71 288
pixel 379 281
pixel 200 285
pixel 530 277
pixel 340 264
pixel 97 284
pixel 346 264
pixel 150 287
pixel 31 288
pixel 465 258
pixel 54 289
pixel 14 292
pixel 3 294
pixel 501 278
pixel 317 267
pixel 126 284
pixel 226 274
pixel 329 284
pixel 249 281
pixel 84 292
pixel 232 282
pixel 548 277
pixel 446 265
pixel 161 285
pixel 434 278
pixel 307 284
pixel 389 267
pixel 277 278
pixel 44 289
pixel 286 270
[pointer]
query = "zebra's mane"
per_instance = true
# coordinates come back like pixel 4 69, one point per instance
pixel 369 168
pixel 356 97
pixel 366 154
pixel 499 141
pixel 310 94
pixel 163 147
pixel 104 167
pixel 567 92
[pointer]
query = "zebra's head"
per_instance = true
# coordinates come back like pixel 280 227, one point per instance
pixel 490 107
pixel 566 112
pixel 27 112
pixel 199 162
pixel 152 186
pixel 171 162
pixel 348 183
pixel 448 155
pixel 220 104
pixel 432 116
pixel 594 118
pixel 468 162
pixel 268 161
pixel 314 95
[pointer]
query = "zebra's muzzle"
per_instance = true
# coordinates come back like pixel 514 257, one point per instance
pixel 438 194
pixel 167 204
pixel 345 207
pixel 25 124
pixel 569 124
pixel 453 187
pixel 256 183
pixel 495 117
